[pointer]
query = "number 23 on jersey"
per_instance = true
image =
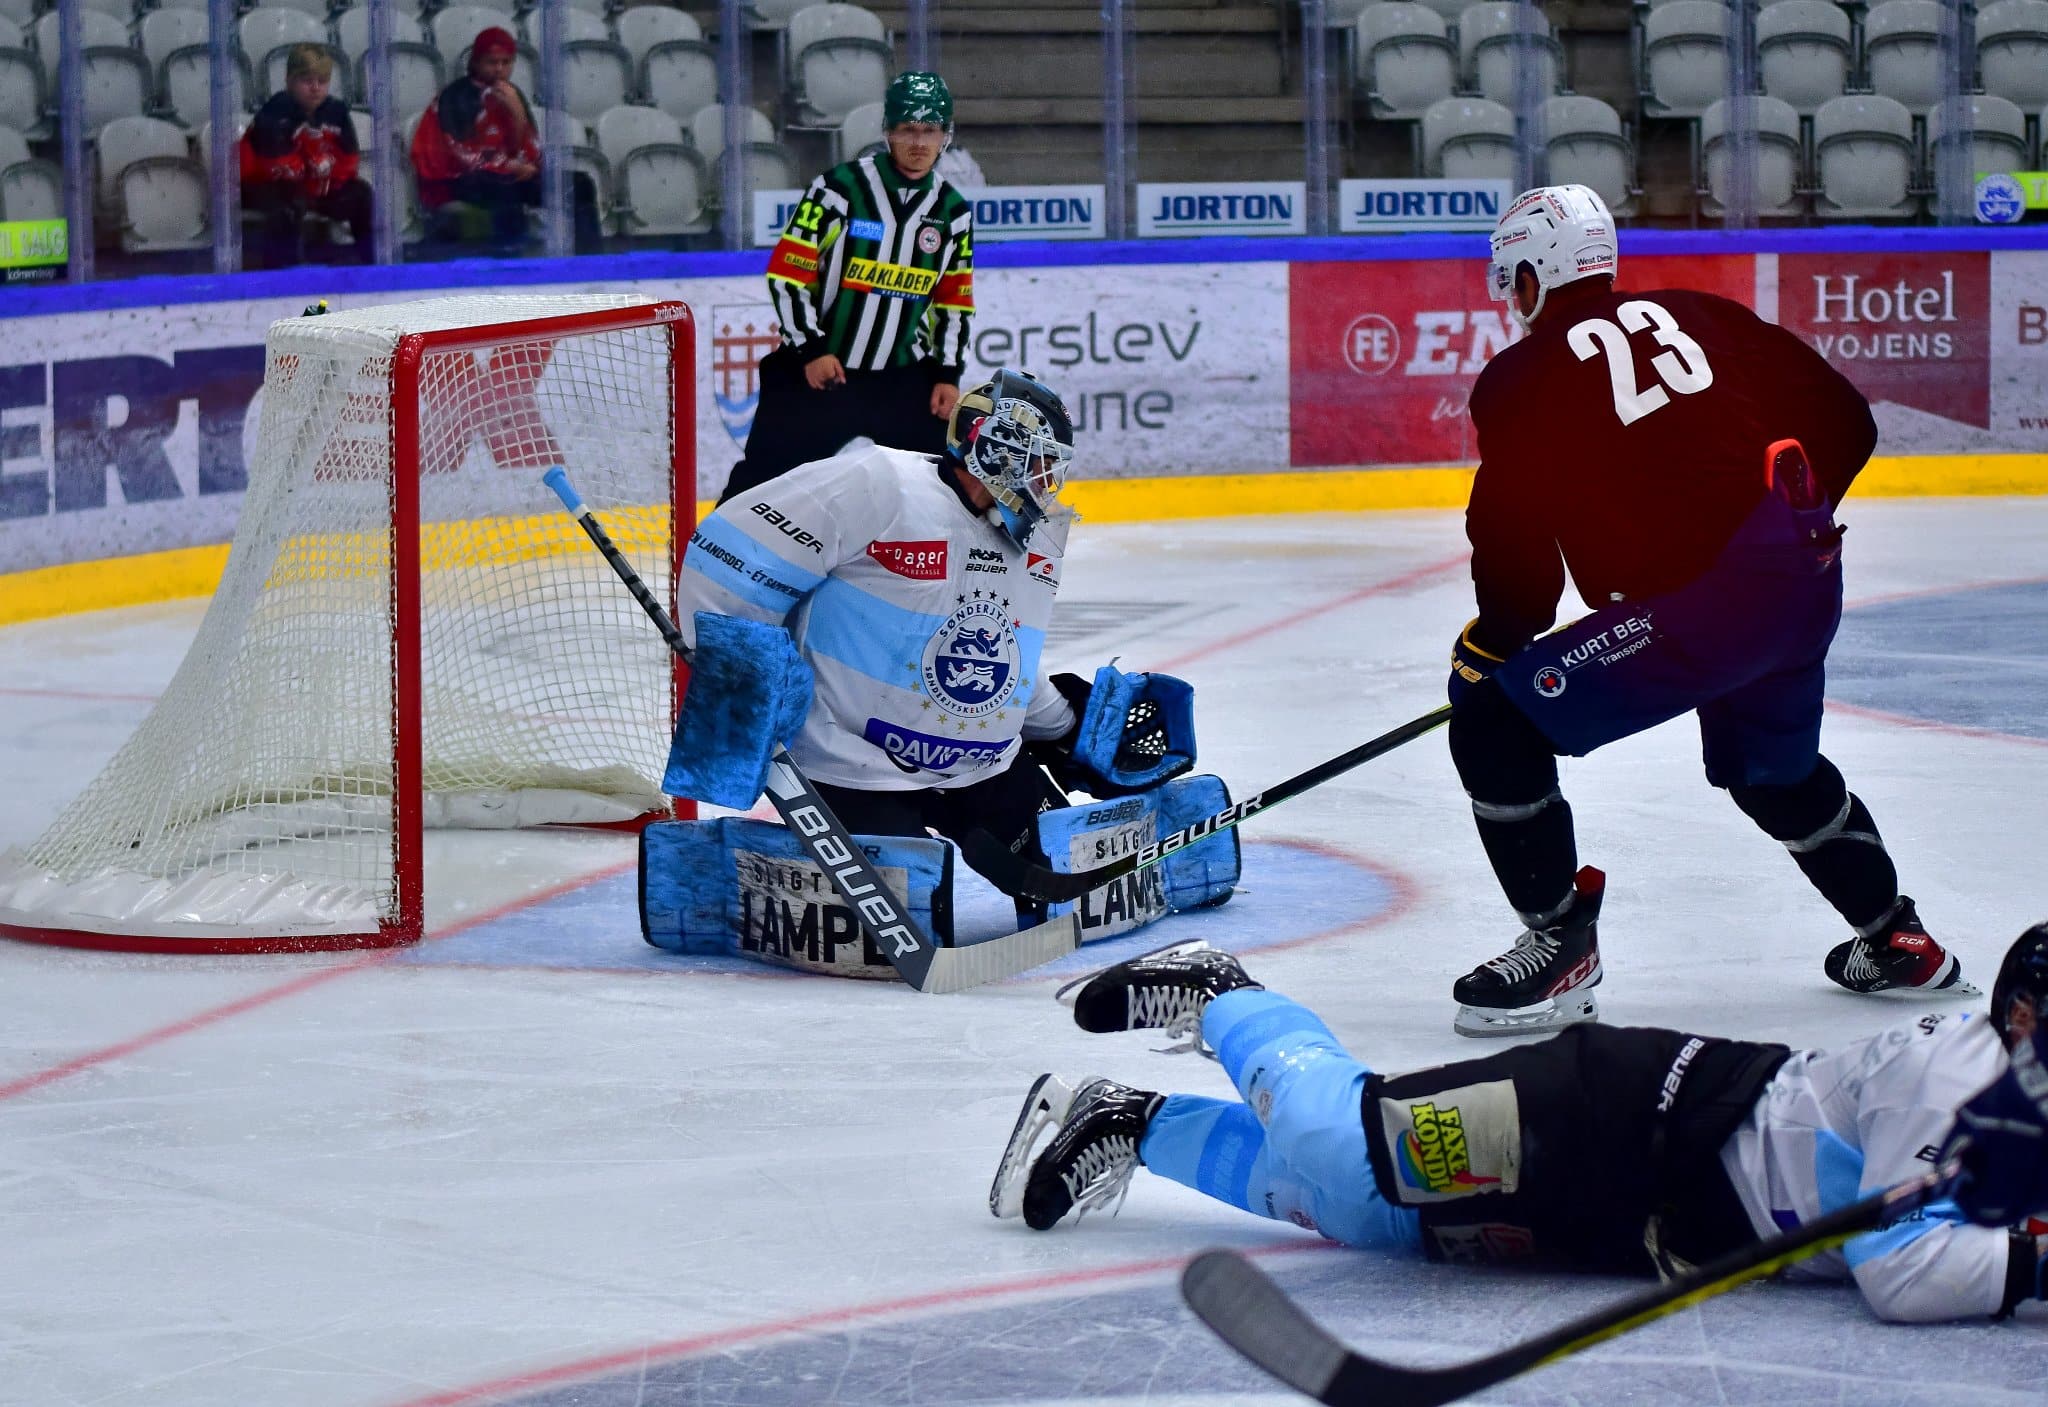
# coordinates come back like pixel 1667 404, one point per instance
pixel 1682 367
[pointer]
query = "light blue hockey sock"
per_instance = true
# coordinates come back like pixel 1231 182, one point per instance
pixel 1295 1150
pixel 1216 1146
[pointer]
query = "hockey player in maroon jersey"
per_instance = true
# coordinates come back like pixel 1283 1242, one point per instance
pixel 1682 458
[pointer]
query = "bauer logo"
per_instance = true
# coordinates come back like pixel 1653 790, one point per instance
pixel 970 663
pixel 1036 212
pixel 1217 208
pixel 1420 205
pixel 741 334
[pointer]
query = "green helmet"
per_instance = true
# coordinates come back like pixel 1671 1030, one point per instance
pixel 918 97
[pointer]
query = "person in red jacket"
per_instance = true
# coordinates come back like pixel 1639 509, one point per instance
pixel 299 157
pixel 480 144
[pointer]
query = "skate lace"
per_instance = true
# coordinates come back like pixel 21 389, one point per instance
pixel 1177 1011
pixel 1531 953
pixel 1102 1171
pixel 1862 965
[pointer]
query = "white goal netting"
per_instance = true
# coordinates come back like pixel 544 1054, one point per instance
pixel 257 798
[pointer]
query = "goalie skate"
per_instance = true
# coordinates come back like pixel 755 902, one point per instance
pixel 1546 980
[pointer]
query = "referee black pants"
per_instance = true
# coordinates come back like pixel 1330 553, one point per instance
pixel 794 424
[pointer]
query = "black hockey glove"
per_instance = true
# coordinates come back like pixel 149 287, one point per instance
pixel 1470 663
pixel 2001 1138
pixel 1056 755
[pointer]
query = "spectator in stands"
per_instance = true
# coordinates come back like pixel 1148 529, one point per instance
pixel 298 157
pixel 479 145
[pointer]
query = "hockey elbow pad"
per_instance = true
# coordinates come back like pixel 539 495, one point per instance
pixel 749 694
pixel 1136 731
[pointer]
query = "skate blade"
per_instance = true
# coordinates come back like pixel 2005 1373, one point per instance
pixel 1553 1015
pixel 1068 994
pixel 1960 988
pixel 1046 1106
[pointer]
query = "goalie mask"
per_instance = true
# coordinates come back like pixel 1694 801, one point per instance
pixel 1015 436
pixel 1561 233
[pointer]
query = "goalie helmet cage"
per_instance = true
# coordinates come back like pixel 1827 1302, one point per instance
pixel 408 632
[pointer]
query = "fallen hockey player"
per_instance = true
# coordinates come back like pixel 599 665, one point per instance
pixel 1603 1149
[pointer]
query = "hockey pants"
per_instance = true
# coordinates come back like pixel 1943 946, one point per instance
pixel 1294 1150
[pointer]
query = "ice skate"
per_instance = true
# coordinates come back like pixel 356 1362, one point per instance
pixel 1899 960
pixel 1546 980
pixel 1089 1159
pixel 1167 990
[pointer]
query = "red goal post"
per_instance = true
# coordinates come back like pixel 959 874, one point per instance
pixel 409 634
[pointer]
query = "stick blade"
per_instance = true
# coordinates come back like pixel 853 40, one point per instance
pixel 957 969
pixel 1245 1309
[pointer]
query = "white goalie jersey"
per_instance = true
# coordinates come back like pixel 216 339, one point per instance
pixel 1835 1126
pixel 924 622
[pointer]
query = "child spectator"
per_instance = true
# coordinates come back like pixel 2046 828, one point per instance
pixel 299 157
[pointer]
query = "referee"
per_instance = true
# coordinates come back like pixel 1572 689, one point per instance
pixel 873 284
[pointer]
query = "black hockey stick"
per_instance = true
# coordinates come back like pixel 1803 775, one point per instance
pixel 1017 876
pixel 1256 1317
pixel 909 949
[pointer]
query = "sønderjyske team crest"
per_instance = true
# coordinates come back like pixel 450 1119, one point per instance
pixel 970 663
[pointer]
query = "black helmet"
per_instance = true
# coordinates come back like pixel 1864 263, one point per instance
pixel 2024 973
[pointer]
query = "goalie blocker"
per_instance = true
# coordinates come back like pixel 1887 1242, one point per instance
pixel 738 887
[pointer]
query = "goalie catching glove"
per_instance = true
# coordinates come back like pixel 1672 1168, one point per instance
pixel 749 695
pixel 1135 731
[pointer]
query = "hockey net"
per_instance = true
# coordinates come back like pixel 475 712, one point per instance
pixel 409 632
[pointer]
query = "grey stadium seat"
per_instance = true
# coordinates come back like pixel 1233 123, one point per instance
pixel 676 70
pixel 861 129
pixel 316 8
pixel 2012 51
pixel 184 83
pixel 1468 139
pixel 29 189
pixel 1779 153
pixel 1588 148
pixel 706 130
pixel 1803 52
pixel 659 182
pixel 158 193
pixel 645 27
pixel 1864 158
pixel 21 83
pixel 417 75
pixel 586 156
pixel 1685 61
pixel 1902 51
pixel 1405 59
pixel 839 58
pixel 1997 131
pixel 118 82
pixel 597 72
pixel 1489 52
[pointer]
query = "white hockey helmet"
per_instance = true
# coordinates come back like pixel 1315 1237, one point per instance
pixel 1563 233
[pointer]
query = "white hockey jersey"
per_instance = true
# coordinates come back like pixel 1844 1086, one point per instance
pixel 1835 1126
pixel 924 621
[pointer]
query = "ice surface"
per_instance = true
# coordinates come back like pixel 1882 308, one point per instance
pixel 537 1161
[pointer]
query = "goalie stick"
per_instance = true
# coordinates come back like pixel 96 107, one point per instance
pixel 1255 1316
pixel 909 949
pixel 1017 876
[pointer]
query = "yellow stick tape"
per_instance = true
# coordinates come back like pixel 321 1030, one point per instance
pixel 195 571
